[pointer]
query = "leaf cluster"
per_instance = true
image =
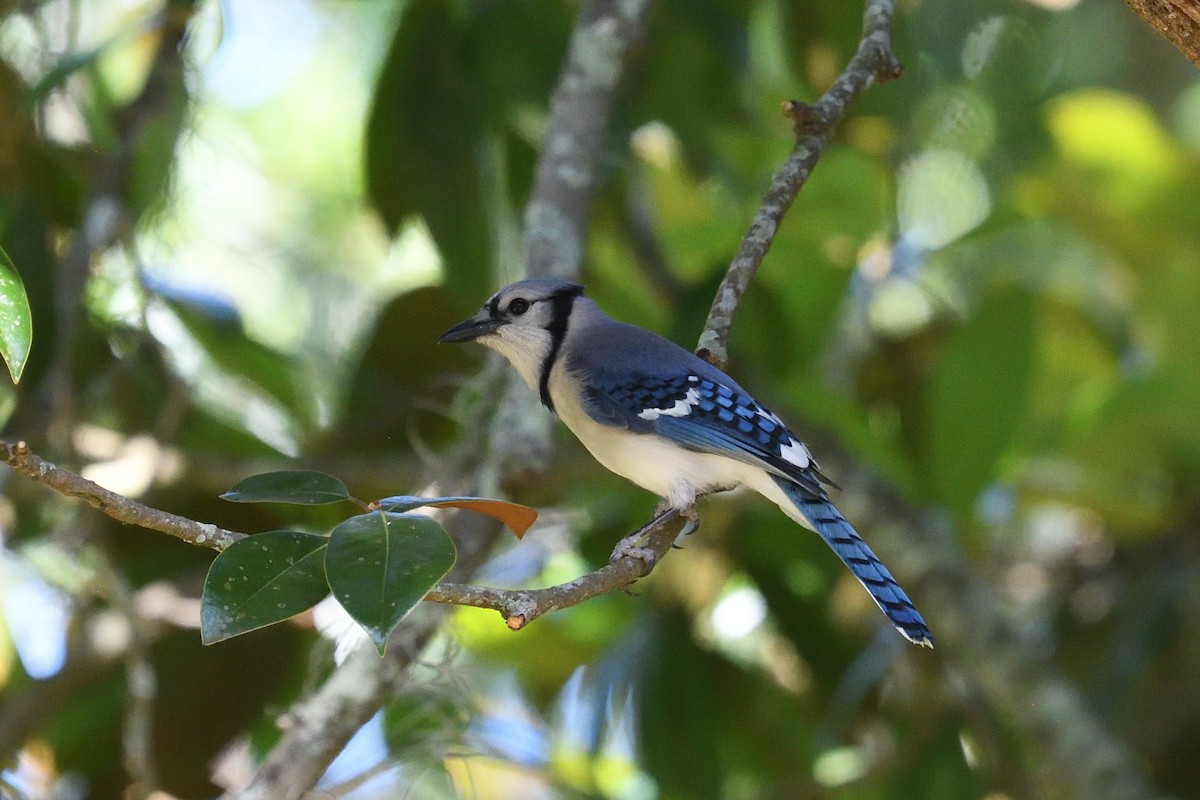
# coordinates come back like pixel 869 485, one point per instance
pixel 378 565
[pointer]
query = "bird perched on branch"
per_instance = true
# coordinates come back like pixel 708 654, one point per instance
pixel 672 423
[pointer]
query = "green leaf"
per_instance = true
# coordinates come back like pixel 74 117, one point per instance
pixel 302 487
pixel 380 565
pixel 978 395
pixel 517 518
pixel 16 322
pixel 261 580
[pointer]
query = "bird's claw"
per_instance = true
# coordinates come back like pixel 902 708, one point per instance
pixel 630 548
pixel 634 545
pixel 691 522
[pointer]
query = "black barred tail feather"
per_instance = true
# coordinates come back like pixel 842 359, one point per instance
pixel 866 566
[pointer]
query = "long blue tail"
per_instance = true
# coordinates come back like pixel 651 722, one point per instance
pixel 865 565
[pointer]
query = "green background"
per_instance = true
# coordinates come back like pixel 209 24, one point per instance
pixel 980 313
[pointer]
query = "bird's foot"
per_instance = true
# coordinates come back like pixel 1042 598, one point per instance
pixel 629 548
pixel 634 545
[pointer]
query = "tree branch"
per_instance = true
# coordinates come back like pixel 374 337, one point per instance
pixel 519 607
pixel 557 214
pixel 815 126
pixel 1178 20
pixel 117 506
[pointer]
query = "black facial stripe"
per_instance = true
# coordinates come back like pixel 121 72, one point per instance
pixel 493 307
pixel 560 312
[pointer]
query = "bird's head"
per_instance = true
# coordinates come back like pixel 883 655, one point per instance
pixel 525 322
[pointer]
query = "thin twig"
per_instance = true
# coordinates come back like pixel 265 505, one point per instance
pixel 121 508
pixel 815 125
pixel 519 607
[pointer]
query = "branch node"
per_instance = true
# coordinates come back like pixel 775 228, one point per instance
pixel 807 120
pixel 515 622
pixel 890 68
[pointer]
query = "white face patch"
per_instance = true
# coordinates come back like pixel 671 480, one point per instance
pixel 681 408
pixel 524 345
pixel 795 453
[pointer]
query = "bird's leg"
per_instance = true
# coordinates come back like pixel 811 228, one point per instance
pixel 634 545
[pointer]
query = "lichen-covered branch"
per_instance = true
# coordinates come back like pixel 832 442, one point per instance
pixel 318 727
pixel 556 217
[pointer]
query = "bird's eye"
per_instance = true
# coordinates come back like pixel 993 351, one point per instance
pixel 518 306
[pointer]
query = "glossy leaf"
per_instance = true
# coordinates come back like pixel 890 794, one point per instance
pixel 517 518
pixel 261 580
pixel 380 565
pixel 979 393
pixel 300 487
pixel 16 322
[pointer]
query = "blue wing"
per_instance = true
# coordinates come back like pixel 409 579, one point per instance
pixel 706 415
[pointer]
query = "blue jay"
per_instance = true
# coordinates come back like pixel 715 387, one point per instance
pixel 672 423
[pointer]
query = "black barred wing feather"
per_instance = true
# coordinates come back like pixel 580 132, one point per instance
pixel 708 416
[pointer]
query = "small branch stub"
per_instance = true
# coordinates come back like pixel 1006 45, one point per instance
pixel 806 120
pixel 890 68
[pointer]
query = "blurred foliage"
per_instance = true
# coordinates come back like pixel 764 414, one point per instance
pixel 242 226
